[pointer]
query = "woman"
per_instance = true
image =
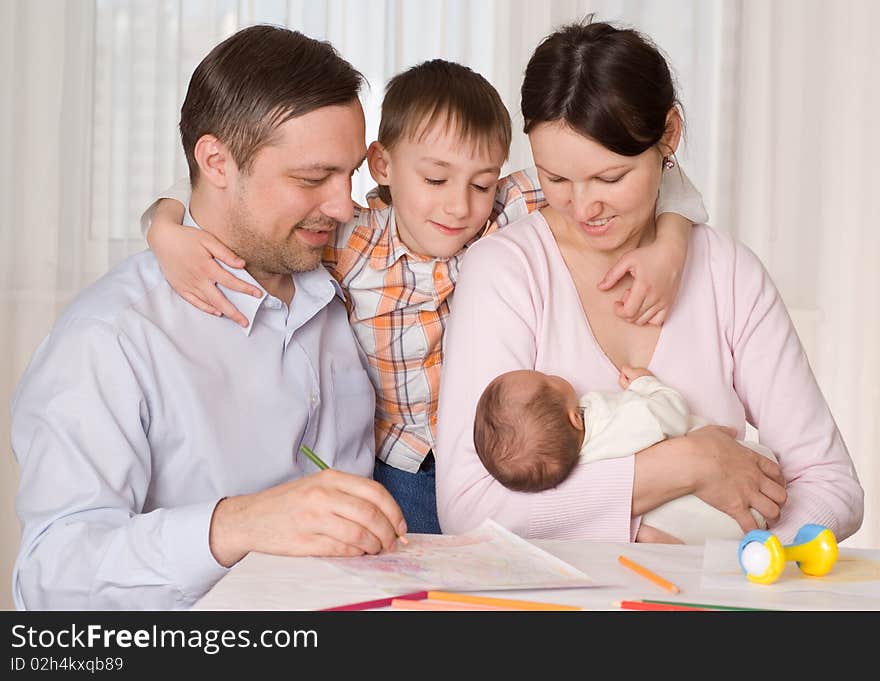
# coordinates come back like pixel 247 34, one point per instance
pixel 600 111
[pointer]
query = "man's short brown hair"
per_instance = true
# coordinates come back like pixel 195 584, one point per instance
pixel 256 80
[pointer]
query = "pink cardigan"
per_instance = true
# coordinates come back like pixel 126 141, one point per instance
pixel 728 345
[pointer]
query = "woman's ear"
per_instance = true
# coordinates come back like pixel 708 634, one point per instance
pixel 379 162
pixel 672 134
pixel 215 161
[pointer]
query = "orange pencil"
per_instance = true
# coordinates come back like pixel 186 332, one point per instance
pixel 506 603
pixel 647 574
pixel 405 604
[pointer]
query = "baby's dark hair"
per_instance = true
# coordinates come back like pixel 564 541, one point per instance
pixel 436 90
pixel 528 446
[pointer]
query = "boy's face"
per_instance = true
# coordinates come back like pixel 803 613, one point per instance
pixel 442 189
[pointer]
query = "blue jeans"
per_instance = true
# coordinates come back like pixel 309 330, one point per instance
pixel 414 493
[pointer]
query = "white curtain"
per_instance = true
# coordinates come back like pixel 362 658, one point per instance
pixel 778 98
pixel 803 195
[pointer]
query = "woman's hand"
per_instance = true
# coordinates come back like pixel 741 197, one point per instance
pixel 187 258
pixel 651 535
pixel 656 271
pixel 734 478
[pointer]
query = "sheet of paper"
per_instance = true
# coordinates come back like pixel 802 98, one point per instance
pixel 487 558
pixel 856 573
pixel 264 582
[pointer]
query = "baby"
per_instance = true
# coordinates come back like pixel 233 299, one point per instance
pixel 531 429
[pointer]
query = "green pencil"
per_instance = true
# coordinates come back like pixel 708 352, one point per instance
pixel 707 606
pixel 314 458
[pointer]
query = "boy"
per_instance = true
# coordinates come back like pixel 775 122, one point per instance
pixel 443 138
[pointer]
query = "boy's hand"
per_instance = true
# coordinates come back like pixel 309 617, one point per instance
pixel 628 374
pixel 656 270
pixel 186 257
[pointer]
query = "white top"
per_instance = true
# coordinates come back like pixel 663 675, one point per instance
pixel 623 423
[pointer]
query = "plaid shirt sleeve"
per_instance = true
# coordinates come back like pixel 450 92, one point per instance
pixel 517 195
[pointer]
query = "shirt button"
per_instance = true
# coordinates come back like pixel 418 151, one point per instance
pixel 313 399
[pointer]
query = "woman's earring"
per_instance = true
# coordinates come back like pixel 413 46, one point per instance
pixel 668 162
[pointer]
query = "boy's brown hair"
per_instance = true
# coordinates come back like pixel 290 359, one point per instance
pixel 442 90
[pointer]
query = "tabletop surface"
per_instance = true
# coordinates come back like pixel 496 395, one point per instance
pixel 262 582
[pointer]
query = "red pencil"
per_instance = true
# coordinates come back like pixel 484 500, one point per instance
pixel 641 605
pixel 378 603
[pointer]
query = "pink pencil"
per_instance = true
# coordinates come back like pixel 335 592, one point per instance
pixel 378 603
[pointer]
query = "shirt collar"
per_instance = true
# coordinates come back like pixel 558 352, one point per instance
pixel 390 247
pixel 313 283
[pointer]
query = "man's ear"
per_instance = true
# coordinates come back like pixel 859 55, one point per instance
pixel 672 134
pixel 215 161
pixel 380 163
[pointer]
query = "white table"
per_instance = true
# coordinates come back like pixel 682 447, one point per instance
pixel 261 582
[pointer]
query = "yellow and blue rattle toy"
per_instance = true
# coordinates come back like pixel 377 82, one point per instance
pixel 762 556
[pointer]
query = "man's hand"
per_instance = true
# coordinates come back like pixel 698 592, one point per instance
pixel 330 513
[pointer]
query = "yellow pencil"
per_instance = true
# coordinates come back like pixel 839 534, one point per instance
pixel 406 604
pixel 500 602
pixel 647 574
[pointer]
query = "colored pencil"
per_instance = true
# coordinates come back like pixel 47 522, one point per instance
pixel 314 458
pixel 507 603
pixel 319 462
pixel 644 605
pixel 404 604
pixel 647 574
pixel 377 603
pixel 702 606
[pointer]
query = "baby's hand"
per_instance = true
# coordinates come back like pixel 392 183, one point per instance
pixel 628 374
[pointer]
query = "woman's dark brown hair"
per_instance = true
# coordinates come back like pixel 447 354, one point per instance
pixel 611 85
pixel 255 80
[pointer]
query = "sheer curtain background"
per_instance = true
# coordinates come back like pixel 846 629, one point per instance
pixel 780 100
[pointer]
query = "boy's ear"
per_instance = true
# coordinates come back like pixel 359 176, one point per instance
pixel 215 161
pixel 672 134
pixel 379 162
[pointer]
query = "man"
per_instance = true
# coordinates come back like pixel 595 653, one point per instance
pixel 159 445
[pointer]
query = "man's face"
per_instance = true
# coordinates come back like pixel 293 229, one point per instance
pixel 284 209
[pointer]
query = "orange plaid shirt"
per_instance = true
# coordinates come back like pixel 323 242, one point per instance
pixel 398 305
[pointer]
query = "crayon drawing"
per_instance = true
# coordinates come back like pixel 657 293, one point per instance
pixel 486 558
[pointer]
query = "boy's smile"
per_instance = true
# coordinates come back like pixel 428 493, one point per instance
pixel 442 187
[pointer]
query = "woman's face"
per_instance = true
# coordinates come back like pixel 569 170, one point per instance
pixel 607 198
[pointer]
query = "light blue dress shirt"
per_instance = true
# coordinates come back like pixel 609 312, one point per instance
pixel 138 413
